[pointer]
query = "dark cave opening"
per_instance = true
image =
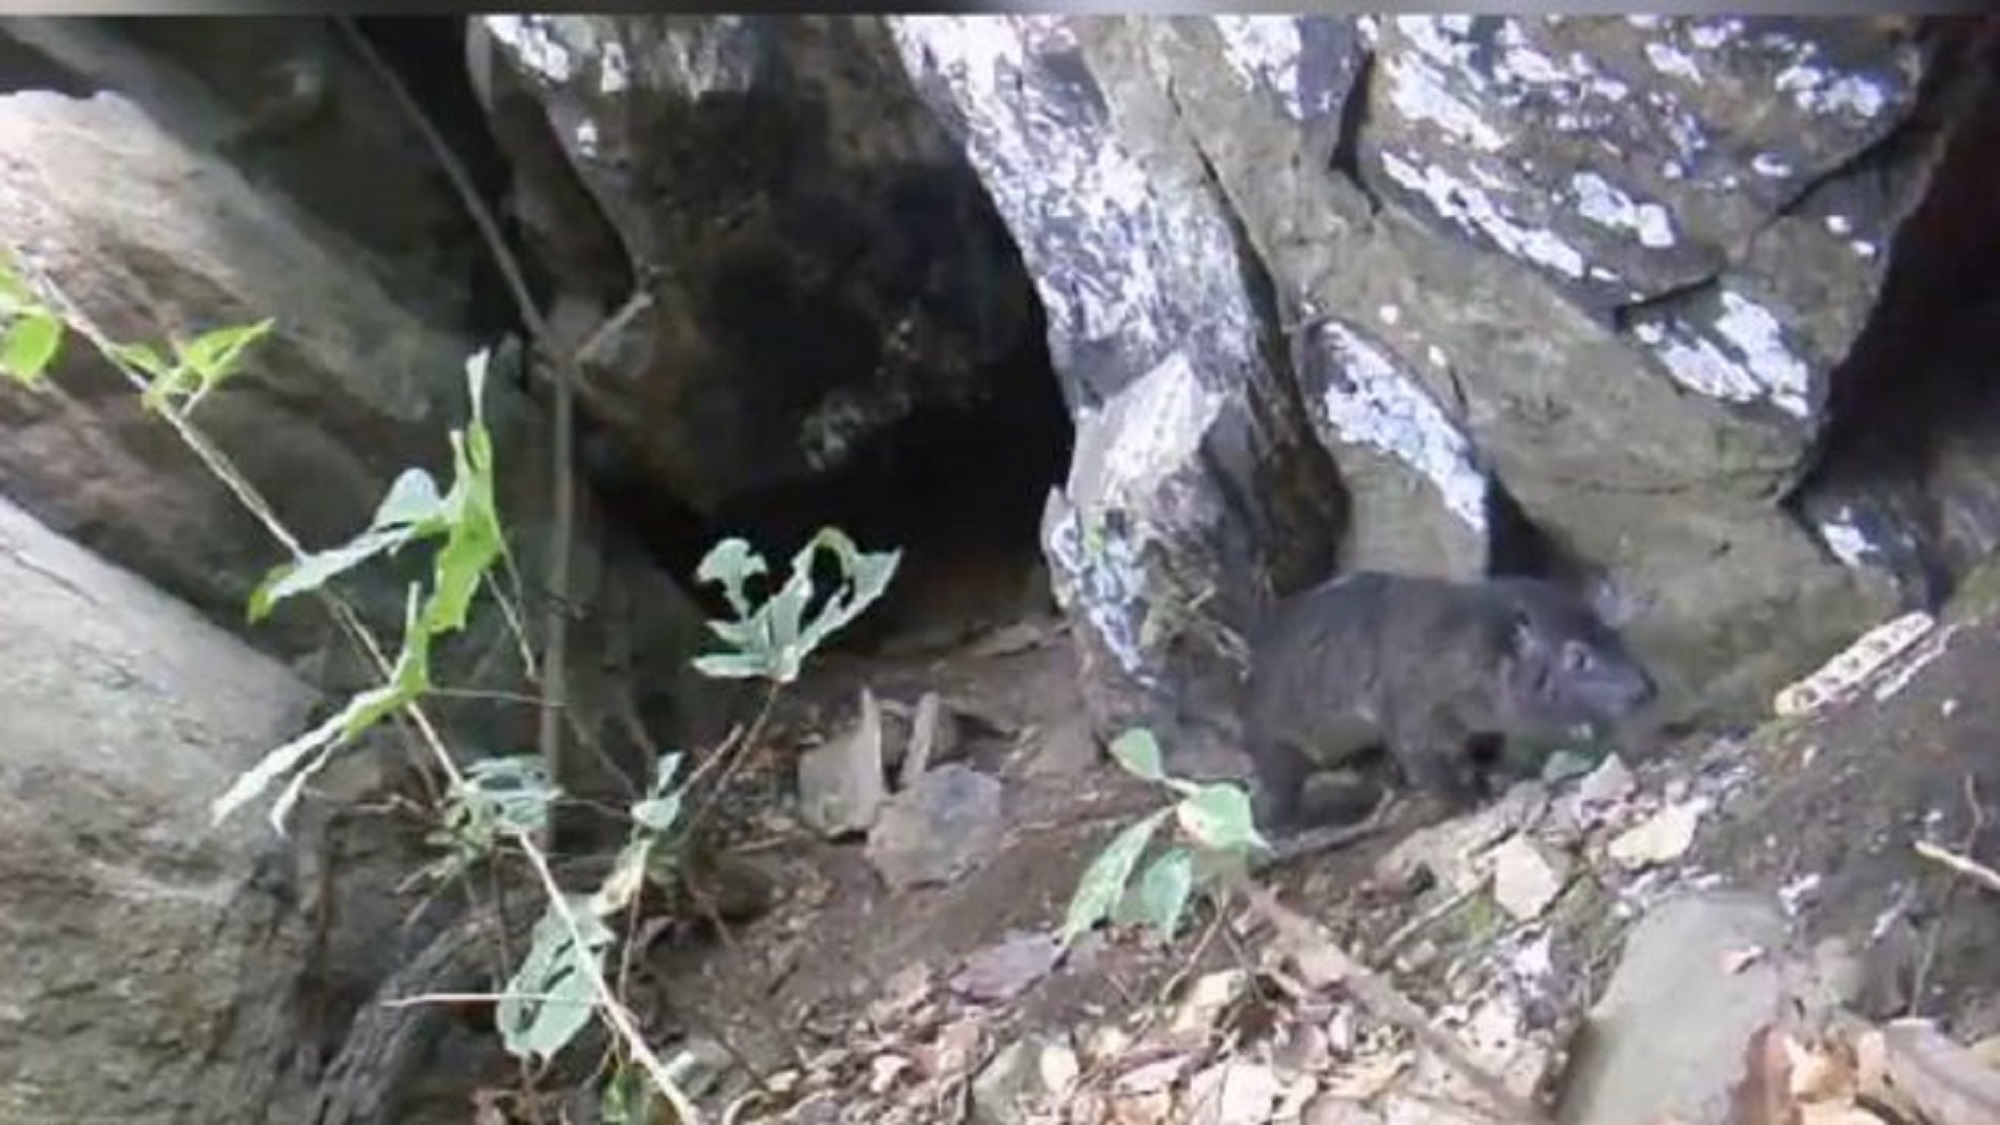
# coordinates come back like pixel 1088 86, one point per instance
pixel 1906 459
pixel 959 490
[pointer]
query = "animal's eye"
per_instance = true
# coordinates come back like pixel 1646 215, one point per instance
pixel 1577 657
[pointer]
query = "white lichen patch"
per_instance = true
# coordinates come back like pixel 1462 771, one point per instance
pixel 1673 62
pixel 614 69
pixel 1708 35
pixel 1383 408
pixel 1101 577
pixel 1844 537
pixel 1151 430
pixel 1421 91
pixel 1601 202
pixel 535 44
pixel 1476 212
pixel 1854 666
pixel 1820 91
pixel 1745 359
pixel 1840 226
pixel 587 140
pixel 717 54
pixel 1770 165
pixel 1264 51
pixel 1114 260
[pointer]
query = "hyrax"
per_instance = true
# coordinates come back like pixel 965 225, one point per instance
pixel 1426 669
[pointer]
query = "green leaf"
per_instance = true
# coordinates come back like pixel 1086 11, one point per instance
pixel 1164 891
pixel 731 563
pixel 864 578
pixel 1139 752
pixel 304 755
pixel 28 346
pixel 140 358
pixel 473 543
pixel 1218 815
pixel 783 616
pixel 550 997
pixel 732 665
pixel 214 355
pixel 317 569
pixel 657 814
pixel 1565 764
pixel 629 1099
pixel 1103 882
pixel 412 503
pixel 252 782
pixel 513 792
pixel 664 772
pixel 476 366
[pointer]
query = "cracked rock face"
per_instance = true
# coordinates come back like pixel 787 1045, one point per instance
pixel 1592 261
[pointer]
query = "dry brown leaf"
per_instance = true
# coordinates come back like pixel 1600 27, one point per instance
pixel 1737 960
pixel 1365 1078
pixel 1847 1113
pixel 1762 1096
pixel 953 1052
pixel 486 1107
pixel 1819 1074
pixel 1155 1108
pixel 1659 839
pixel 883 1070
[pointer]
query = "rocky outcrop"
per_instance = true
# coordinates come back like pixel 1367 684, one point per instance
pixel 1577 260
pixel 156 959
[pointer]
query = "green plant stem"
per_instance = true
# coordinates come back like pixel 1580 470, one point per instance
pixel 733 754
pixel 610 1009
pixel 555 640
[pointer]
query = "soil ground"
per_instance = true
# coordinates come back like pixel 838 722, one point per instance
pixel 1820 812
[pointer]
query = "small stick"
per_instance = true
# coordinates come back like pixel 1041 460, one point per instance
pixel 1330 962
pixel 1970 868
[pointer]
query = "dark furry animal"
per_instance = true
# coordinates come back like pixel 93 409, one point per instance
pixel 1429 670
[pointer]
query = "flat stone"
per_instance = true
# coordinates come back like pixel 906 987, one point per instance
pixel 1666 1040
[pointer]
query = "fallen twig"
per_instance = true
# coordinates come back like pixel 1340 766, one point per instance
pixel 1970 868
pixel 1330 963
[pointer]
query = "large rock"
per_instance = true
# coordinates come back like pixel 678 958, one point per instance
pixel 813 258
pixel 142 222
pixel 153 959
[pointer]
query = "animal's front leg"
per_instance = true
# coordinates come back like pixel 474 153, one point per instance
pixel 1435 756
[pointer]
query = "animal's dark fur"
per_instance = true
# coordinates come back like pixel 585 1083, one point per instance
pixel 1427 669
